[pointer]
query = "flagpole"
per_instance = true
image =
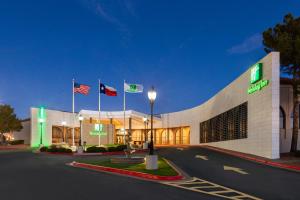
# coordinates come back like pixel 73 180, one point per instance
pixel 124 109
pixel 99 108
pixel 73 111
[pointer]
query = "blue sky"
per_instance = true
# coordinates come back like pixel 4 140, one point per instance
pixel 188 50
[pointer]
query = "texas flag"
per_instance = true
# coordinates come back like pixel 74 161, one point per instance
pixel 109 91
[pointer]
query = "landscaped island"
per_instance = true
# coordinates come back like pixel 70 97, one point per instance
pixel 164 169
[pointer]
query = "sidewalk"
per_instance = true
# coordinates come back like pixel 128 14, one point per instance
pixel 285 162
pixel 14 147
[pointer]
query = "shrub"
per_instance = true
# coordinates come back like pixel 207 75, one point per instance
pixel 15 142
pixel 112 149
pixel 95 149
pixel 121 147
pixel 54 148
pixel 43 149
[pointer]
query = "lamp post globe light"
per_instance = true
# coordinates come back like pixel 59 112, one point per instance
pixel 151 159
pixel 80 149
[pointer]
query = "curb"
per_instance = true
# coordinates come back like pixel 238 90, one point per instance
pixel 257 160
pixel 108 153
pixel 184 175
pixel 92 154
pixel 133 174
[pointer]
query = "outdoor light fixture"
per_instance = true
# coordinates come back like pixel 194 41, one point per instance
pixel 151 159
pixel 41 120
pixel 145 119
pixel 152 97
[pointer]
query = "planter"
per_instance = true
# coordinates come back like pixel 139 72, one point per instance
pixel 151 162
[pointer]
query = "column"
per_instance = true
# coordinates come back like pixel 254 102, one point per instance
pixel 129 129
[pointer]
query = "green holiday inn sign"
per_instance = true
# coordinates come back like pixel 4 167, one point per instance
pixel 98 130
pixel 256 81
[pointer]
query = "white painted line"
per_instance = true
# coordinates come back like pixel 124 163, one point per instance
pixel 201 157
pixel 235 169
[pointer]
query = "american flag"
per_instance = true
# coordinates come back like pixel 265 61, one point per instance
pixel 82 89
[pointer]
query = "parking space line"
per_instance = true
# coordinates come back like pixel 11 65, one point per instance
pixel 210 188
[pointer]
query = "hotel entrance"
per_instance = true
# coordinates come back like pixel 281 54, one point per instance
pixel 163 136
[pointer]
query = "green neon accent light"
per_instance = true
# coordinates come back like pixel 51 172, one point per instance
pixel 98 130
pixel 258 86
pixel 256 73
pixel 41 128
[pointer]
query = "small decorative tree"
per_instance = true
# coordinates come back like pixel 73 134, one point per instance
pixel 8 120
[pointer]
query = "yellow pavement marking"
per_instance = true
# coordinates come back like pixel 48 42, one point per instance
pixel 201 157
pixel 211 189
pixel 235 169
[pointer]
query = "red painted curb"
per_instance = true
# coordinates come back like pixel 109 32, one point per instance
pixel 258 160
pixel 127 172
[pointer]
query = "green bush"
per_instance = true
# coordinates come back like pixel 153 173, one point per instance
pixel 15 142
pixel 112 149
pixel 43 149
pixel 58 149
pixel 121 147
pixel 95 149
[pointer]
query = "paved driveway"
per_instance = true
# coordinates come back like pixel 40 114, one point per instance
pixel 24 175
pixel 252 178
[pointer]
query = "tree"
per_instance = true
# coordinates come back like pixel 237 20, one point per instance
pixel 8 120
pixel 285 38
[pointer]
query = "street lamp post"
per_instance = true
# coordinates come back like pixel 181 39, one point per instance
pixel 151 159
pixel 152 97
pixel 41 121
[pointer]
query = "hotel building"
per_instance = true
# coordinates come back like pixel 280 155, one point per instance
pixel 251 115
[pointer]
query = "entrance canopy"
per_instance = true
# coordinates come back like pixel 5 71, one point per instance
pixel 117 118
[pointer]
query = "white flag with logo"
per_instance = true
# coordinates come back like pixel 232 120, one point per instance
pixel 133 88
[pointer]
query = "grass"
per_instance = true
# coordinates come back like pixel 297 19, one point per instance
pixel 164 169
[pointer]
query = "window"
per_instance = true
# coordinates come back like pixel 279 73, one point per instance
pixel 282 118
pixel 229 125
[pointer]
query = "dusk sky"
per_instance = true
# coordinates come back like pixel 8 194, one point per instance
pixel 189 50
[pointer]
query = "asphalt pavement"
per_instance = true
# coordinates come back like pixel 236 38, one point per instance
pixel 252 178
pixel 29 176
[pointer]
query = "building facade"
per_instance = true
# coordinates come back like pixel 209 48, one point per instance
pixel 251 115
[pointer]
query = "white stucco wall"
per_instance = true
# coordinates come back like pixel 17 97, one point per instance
pixel 286 102
pixel 263 112
pixel 54 118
